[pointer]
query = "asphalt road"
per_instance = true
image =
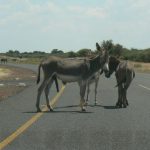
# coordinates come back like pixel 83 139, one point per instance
pixel 102 127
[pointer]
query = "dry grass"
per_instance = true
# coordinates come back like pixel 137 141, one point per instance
pixel 31 61
pixel 4 72
pixel 141 67
pixel 9 73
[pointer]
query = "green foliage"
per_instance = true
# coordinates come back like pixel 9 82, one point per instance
pixel 56 51
pixel 35 54
pixel 137 55
pixel 83 52
pixel 114 49
pixel 108 44
pixel 71 54
pixel 12 53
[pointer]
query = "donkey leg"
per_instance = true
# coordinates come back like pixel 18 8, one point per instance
pixel 88 91
pixel 128 82
pixel 119 97
pixel 124 98
pixel 119 103
pixel 40 89
pixel 96 85
pixel 82 94
pixel 48 86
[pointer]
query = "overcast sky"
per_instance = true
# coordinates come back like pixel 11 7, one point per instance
pixel 29 25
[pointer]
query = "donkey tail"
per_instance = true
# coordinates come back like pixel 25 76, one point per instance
pixel 38 77
pixel 133 74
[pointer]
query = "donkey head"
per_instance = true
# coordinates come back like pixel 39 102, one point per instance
pixel 104 58
pixel 113 64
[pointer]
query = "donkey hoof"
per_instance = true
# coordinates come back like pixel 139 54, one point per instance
pixel 38 110
pixel 50 108
pixel 86 103
pixel 96 103
pixel 117 105
pixel 124 106
pixel 120 106
pixel 83 109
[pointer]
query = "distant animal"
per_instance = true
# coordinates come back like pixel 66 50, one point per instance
pixel 79 71
pixel 124 76
pixel 14 59
pixel 3 60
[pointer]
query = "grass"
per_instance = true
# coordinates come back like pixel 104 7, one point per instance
pixel 31 61
pixel 141 67
pixel 4 72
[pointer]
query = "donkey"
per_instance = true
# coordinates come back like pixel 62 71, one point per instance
pixel 124 76
pixel 3 60
pixel 79 71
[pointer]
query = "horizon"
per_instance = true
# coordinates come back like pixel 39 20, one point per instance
pixel 28 25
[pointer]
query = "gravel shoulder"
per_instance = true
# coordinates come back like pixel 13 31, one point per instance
pixel 14 79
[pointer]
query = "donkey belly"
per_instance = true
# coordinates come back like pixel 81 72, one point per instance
pixel 68 78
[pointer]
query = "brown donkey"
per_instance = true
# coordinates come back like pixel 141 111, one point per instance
pixel 124 76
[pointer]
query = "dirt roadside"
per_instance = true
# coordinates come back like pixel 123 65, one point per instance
pixel 14 80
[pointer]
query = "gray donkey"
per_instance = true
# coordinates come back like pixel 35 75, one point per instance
pixel 70 71
pixel 124 76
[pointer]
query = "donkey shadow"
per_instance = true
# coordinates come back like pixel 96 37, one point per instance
pixel 90 105
pixel 57 110
pixel 105 107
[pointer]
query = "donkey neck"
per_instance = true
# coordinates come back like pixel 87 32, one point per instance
pixel 116 63
pixel 95 64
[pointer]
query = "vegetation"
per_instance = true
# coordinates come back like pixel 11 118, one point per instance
pixel 117 50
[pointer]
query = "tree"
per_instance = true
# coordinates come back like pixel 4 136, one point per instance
pixel 71 54
pixel 108 44
pixel 117 50
pixel 56 51
pixel 83 52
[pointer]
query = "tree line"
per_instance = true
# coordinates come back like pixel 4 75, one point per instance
pixel 114 49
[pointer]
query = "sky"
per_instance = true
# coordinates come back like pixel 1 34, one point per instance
pixel 70 25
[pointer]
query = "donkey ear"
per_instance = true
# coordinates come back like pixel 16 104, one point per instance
pixel 98 47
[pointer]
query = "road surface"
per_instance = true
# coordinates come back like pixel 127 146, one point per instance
pixel 101 127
